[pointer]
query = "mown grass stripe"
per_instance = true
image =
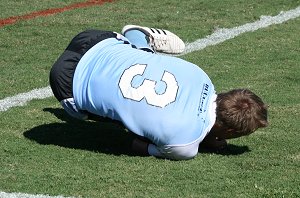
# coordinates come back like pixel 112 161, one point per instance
pixel 217 37
pixel 51 11
pixel 224 34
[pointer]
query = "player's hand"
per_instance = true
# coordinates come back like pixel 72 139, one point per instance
pixel 219 144
pixel 214 143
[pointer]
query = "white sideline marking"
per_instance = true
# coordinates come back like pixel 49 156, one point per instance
pixel 22 98
pixel 24 195
pixel 224 34
pixel 217 37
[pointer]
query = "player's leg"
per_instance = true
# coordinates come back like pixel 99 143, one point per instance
pixel 62 71
pixel 157 39
pixel 83 41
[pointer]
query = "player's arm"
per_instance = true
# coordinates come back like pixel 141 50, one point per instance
pixel 183 152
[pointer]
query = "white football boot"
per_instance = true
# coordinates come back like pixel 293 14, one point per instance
pixel 160 40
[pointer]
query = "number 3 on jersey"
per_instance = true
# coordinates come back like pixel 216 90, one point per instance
pixel 147 88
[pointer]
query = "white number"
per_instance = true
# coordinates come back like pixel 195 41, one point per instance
pixel 147 88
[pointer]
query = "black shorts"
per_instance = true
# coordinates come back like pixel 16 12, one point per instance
pixel 62 72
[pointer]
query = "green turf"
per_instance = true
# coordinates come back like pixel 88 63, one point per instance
pixel 43 151
pixel 19 8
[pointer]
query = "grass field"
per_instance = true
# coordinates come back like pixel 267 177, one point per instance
pixel 42 151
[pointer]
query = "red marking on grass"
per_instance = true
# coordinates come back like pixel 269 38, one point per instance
pixel 51 11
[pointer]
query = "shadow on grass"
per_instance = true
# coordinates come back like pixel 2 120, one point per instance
pixel 229 150
pixel 86 135
pixel 103 137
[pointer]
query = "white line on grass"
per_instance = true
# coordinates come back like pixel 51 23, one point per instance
pixel 24 195
pixel 217 37
pixel 224 34
pixel 22 98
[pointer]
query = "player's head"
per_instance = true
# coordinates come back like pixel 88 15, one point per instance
pixel 240 112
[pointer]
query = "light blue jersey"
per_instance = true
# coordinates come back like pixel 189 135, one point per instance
pixel 162 98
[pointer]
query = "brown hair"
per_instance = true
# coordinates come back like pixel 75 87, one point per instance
pixel 241 110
